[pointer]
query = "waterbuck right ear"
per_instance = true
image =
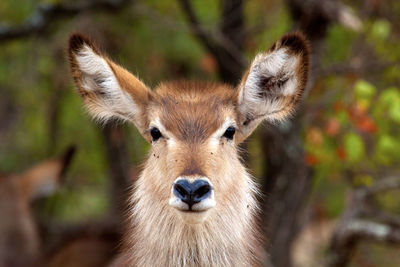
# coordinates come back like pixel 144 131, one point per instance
pixel 274 83
pixel 108 90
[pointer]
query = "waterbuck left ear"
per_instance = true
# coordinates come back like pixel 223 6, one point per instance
pixel 274 83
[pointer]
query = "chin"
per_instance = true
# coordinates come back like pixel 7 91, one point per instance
pixel 193 217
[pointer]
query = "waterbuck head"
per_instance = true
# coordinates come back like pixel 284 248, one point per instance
pixel 193 172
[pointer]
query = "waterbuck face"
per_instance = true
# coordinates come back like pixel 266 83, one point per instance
pixel 194 127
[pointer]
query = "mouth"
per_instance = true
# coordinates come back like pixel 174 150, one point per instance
pixel 200 207
pixel 192 199
pixel 193 211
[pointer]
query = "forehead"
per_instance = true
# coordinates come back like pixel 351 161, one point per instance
pixel 192 111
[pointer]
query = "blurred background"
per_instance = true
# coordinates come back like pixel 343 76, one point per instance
pixel 330 176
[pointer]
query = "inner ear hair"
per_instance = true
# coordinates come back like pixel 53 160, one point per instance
pixel 272 82
pixel 76 46
pixel 275 82
pixel 286 61
pixel 109 91
pixel 279 75
pixel 295 45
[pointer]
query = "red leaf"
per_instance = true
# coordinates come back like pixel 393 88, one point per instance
pixel 338 106
pixel 341 153
pixel 359 117
pixel 314 136
pixel 311 159
pixel 366 124
pixel 332 127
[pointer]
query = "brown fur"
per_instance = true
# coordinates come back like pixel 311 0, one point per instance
pixel 192 118
pixel 191 110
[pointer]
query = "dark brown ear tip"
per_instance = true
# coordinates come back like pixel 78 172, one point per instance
pixel 67 158
pixel 76 42
pixel 296 42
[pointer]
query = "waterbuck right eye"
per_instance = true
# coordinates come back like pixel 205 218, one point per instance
pixel 229 133
pixel 155 133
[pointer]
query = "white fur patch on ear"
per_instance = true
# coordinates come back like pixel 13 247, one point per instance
pixel 279 65
pixel 97 73
pixel 274 83
pixel 271 82
pixel 98 78
pixel 273 74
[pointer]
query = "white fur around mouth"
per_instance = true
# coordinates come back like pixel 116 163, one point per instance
pixel 198 207
pixel 203 205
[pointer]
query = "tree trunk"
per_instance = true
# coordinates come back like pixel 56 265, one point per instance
pixel 118 160
pixel 287 178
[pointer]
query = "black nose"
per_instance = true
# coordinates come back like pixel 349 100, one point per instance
pixel 192 193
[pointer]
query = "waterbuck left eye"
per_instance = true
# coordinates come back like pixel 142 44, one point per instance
pixel 155 134
pixel 229 133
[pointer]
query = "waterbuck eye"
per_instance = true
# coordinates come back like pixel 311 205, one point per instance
pixel 155 133
pixel 229 133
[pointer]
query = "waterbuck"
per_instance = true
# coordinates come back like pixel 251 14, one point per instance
pixel 20 244
pixel 194 203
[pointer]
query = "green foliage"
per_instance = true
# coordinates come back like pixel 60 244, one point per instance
pixel 363 180
pixel 16 11
pixel 390 201
pixel 281 21
pixel 338 45
pixel 357 132
pixel 380 29
pixel 78 204
pixel 379 34
pixel 354 147
pixel 387 149
pixel 364 90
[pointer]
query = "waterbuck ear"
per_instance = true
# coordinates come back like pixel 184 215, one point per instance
pixel 274 83
pixel 108 90
pixel 45 178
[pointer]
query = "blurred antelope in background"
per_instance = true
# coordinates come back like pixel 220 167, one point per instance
pixel 21 243
pixel 19 237
pixel 194 203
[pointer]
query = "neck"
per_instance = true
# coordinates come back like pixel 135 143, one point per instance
pixel 228 237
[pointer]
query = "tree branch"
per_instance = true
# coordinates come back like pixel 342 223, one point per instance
pixel 45 14
pixel 356 67
pixel 282 144
pixel 226 42
pixel 386 184
pixel 366 229
pixel 118 161
pixel 346 239
pixel 196 27
pixel 363 220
